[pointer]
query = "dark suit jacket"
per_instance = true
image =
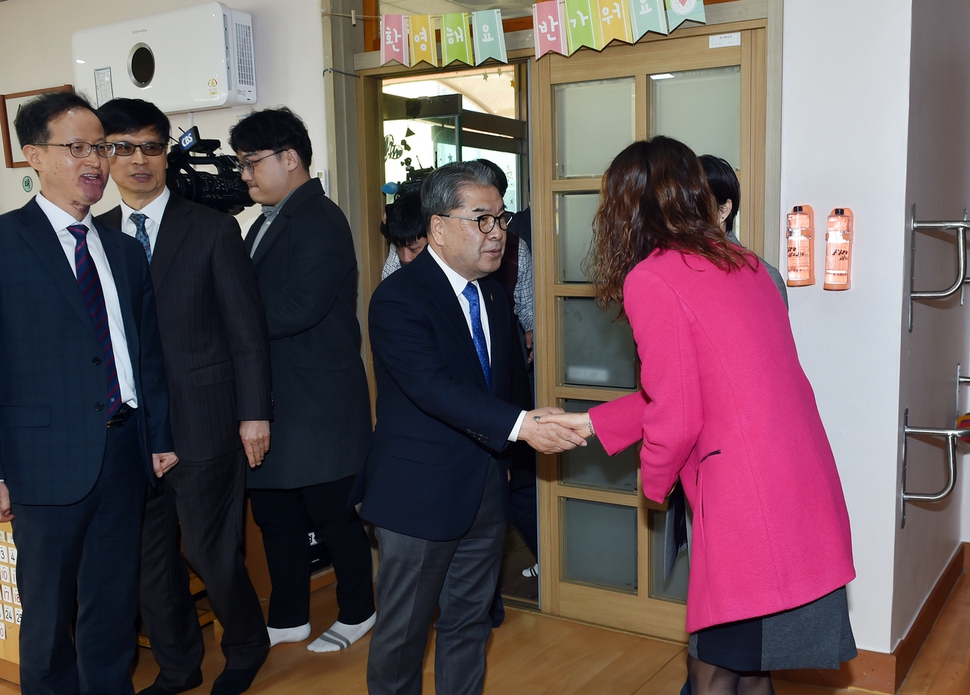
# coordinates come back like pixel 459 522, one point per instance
pixel 307 275
pixel 437 423
pixel 53 384
pixel 213 328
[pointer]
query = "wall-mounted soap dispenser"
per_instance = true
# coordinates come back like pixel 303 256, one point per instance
pixel 838 250
pixel 801 246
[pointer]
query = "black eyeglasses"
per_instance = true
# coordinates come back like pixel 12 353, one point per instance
pixel 149 149
pixel 82 149
pixel 250 164
pixel 486 223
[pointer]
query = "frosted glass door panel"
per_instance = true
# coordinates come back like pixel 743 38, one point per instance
pixel 596 350
pixel 702 109
pixel 593 122
pixel 675 588
pixel 599 544
pixel 590 466
pixel 574 232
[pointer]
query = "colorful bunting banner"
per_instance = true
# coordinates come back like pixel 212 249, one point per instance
pixel 559 26
pixel 548 30
pixel 489 36
pixel 614 21
pixel 423 45
pixel 580 30
pixel 454 39
pixel 394 39
pixel 648 15
pixel 679 11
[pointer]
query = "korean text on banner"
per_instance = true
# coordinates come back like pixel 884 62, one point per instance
pixel 648 15
pixel 423 45
pixel 614 21
pixel 679 11
pixel 550 37
pixel 454 39
pixel 580 30
pixel 489 36
pixel 394 39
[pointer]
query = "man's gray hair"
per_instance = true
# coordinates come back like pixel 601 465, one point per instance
pixel 441 191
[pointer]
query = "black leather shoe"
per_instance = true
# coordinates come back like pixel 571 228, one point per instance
pixel 234 681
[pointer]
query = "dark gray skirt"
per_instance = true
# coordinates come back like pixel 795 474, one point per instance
pixel 816 635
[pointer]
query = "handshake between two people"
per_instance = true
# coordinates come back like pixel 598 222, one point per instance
pixel 553 430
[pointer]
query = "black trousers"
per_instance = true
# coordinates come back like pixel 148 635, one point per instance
pixel 205 499
pixel 80 561
pixel 285 517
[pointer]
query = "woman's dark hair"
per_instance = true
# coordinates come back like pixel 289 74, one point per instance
pixel 272 129
pixel 128 115
pixel 405 224
pixel 654 196
pixel 724 185
pixel 34 118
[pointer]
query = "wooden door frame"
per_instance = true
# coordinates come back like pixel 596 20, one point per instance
pixel 686 50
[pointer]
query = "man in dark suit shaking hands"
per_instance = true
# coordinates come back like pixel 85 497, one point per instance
pixel 444 346
pixel 216 350
pixel 83 404
pixel 307 270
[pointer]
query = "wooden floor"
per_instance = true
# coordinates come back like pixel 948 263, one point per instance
pixel 533 654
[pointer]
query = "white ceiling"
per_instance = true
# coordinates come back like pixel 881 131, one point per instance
pixel 510 8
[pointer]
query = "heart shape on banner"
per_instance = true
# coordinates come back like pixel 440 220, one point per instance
pixel 682 7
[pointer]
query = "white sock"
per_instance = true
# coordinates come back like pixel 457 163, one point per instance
pixel 278 635
pixel 340 636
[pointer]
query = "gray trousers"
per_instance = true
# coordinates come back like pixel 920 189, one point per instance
pixel 459 577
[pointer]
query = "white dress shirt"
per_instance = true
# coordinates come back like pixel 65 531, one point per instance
pixel 60 221
pixel 153 217
pixel 458 285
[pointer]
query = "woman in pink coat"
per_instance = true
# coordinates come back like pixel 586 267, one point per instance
pixel 726 407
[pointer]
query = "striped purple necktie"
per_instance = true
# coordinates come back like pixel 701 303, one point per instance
pixel 90 284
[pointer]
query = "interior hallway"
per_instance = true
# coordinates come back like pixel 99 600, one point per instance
pixel 534 654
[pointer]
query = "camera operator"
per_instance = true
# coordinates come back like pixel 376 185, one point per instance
pixel 215 345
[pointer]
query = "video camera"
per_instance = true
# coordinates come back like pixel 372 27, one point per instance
pixel 415 177
pixel 224 190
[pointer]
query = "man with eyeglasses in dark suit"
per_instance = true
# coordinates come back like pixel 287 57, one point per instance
pixel 216 349
pixel 84 406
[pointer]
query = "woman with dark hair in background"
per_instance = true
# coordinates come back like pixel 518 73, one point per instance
pixel 726 408
pixel 726 188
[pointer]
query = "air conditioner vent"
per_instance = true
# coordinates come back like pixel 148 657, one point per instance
pixel 246 74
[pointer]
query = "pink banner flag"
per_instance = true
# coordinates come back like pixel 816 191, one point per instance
pixel 394 39
pixel 550 36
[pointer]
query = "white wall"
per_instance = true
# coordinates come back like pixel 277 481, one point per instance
pixel 844 129
pixel 35 52
pixel 938 182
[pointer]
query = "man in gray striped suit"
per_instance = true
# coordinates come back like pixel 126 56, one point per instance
pixel 216 348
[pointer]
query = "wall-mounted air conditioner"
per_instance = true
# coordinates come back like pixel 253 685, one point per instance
pixel 194 58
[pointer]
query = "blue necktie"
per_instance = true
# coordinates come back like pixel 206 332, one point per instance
pixel 93 296
pixel 478 333
pixel 141 234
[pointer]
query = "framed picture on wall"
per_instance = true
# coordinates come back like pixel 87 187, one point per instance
pixel 9 106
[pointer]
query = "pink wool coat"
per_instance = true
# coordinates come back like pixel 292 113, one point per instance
pixel 726 407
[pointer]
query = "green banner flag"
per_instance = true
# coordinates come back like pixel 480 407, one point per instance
pixel 454 39
pixel 648 15
pixel 679 11
pixel 489 36
pixel 580 29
